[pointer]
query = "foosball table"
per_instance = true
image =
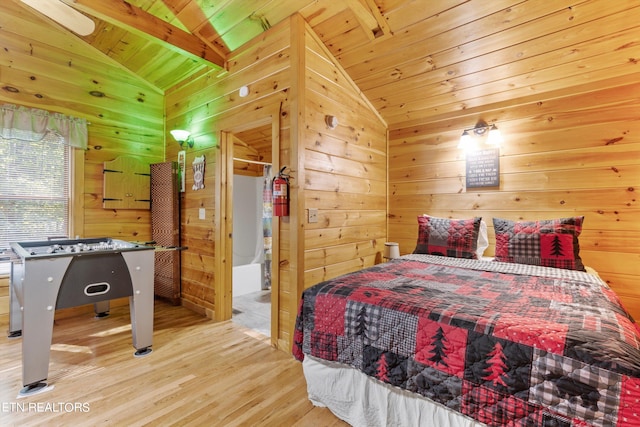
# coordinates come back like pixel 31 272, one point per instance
pixel 67 273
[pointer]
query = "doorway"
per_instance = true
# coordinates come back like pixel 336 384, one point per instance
pixel 252 229
pixel 252 143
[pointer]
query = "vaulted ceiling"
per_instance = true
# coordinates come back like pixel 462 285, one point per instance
pixel 411 58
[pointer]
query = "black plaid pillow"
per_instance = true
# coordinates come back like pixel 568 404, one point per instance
pixel 456 238
pixel 550 243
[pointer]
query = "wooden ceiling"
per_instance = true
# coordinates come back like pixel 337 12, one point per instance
pixel 413 59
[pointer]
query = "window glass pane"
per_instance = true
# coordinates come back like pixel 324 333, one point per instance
pixel 34 219
pixel 34 189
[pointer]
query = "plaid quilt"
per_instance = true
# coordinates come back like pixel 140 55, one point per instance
pixel 502 343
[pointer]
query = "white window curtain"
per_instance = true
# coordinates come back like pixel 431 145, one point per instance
pixel 32 124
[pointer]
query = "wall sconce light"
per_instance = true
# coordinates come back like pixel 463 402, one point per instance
pixel 182 136
pixel 331 121
pixel 493 135
pixel 243 91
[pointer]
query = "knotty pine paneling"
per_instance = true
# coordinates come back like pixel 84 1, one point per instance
pixel 54 71
pixel 462 58
pixel 4 299
pixel 348 162
pixel 563 155
pixel 202 104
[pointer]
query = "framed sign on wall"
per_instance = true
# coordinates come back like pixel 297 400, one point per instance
pixel 483 168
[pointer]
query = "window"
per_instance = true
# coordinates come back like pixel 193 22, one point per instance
pixel 34 189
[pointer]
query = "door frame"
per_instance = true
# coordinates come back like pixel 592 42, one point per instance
pixel 223 224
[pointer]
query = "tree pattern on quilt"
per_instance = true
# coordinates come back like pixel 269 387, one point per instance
pixel 496 366
pixel 556 247
pixel 439 348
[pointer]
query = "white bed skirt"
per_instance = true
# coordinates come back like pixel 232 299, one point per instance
pixel 363 401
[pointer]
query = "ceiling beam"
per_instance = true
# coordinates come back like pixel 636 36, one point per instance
pixel 190 14
pixel 132 18
pixel 370 18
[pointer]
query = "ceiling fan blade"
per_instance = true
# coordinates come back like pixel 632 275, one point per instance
pixel 64 15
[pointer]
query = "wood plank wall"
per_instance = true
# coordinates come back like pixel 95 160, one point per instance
pixel 565 153
pixel 345 171
pixel 55 72
pixel 143 140
pixel 202 104
pixel 340 172
pixel 4 299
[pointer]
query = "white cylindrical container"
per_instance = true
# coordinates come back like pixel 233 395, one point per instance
pixel 391 250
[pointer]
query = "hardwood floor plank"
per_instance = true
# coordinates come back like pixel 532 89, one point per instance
pixel 199 373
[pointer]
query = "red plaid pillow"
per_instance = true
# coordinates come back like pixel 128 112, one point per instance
pixel 550 243
pixel 456 238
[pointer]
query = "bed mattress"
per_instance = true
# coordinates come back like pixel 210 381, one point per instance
pixel 502 344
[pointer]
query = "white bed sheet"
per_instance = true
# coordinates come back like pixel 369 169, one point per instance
pixel 363 401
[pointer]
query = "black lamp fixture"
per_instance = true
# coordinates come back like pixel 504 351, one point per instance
pixel 481 128
pixel 183 136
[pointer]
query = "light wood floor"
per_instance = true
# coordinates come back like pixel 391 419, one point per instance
pixel 200 373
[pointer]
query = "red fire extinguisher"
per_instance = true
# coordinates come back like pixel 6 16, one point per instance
pixel 281 194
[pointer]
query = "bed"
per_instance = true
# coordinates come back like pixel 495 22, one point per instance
pixel 440 340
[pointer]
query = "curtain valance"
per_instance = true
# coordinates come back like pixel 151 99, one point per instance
pixel 31 124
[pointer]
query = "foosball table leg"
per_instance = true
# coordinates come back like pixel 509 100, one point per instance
pixel 101 309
